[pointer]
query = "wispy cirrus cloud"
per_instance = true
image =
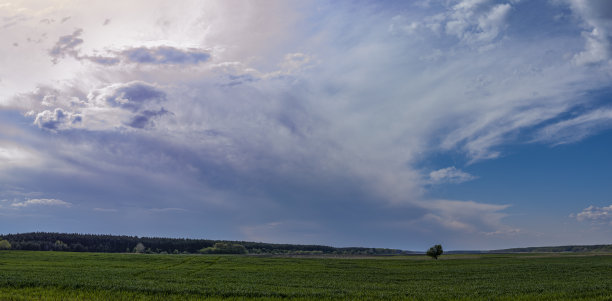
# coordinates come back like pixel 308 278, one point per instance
pixel 170 209
pixel 110 210
pixel 576 128
pixel 40 202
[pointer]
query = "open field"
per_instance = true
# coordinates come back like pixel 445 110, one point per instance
pixel 26 275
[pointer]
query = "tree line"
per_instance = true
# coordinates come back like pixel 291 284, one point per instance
pixel 75 242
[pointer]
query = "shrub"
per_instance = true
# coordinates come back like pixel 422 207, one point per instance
pixel 224 248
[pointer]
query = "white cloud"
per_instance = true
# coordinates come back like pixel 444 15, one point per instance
pixel 597 16
pixel 43 202
pixel 594 214
pixel 450 175
pixel 477 21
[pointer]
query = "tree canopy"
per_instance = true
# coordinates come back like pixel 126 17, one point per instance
pixel 75 242
pixel 5 244
pixel 435 251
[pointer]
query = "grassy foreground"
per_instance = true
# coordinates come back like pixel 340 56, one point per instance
pixel 27 275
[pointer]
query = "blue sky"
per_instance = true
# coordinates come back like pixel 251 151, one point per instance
pixel 477 124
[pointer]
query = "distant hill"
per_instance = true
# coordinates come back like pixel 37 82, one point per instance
pixel 46 241
pixel 557 249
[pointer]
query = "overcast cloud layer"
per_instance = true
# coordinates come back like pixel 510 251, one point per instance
pixel 299 122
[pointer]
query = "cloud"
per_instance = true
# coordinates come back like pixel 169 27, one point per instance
pixel 460 102
pixel 597 15
pixel 66 46
pixel 145 118
pixel 136 104
pixel 166 210
pixel 101 60
pixel 594 214
pixel 105 209
pixel 467 217
pixel 131 96
pixel 42 202
pixel 577 128
pixel 57 119
pixel 16 156
pixel 477 21
pixel 12 20
pixel 450 175
pixel 164 55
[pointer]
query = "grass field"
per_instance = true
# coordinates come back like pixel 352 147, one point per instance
pixel 26 275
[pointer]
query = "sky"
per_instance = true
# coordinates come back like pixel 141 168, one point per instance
pixel 477 124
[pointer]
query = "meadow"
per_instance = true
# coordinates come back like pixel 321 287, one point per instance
pixel 39 275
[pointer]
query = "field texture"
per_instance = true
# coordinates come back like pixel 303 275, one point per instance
pixel 27 275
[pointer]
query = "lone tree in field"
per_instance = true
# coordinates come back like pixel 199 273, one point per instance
pixel 435 251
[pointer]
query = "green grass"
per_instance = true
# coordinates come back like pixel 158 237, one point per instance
pixel 94 276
